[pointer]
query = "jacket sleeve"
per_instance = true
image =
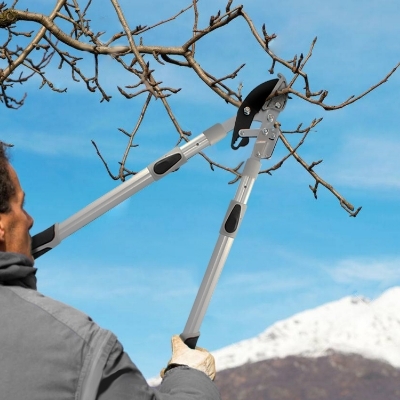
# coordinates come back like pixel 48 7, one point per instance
pixel 122 380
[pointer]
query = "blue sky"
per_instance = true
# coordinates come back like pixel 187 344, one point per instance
pixel 137 269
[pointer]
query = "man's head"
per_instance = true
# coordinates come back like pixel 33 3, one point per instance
pixel 15 222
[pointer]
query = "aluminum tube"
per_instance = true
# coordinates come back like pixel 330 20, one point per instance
pixel 105 203
pixel 208 284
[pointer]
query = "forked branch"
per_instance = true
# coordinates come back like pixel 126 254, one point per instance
pixel 66 34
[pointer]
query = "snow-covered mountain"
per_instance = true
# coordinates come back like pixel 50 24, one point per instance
pixel 349 325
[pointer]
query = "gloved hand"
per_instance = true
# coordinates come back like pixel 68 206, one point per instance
pixel 199 358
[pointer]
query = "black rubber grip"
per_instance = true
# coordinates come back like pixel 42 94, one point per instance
pixel 37 254
pixel 164 165
pixel 232 221
pixel 191 342
pixel 41 239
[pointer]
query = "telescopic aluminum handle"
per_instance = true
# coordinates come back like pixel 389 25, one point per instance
pixel 267 137
pixel 171 161
pixel 228 231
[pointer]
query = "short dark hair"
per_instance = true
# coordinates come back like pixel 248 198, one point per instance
pixel 7 189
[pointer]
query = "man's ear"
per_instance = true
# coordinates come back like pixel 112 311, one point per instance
pixel 2 232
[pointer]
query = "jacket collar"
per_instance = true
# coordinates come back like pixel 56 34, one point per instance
pixel 17 270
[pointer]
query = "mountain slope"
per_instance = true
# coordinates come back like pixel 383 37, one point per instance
pixel 332 377
pixel 350 325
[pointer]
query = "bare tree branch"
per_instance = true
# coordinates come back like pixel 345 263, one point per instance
pixel 67 31
pixel 318 180
pixel 349 101
pixel 293 151
pixel 16 63
pixel 132 135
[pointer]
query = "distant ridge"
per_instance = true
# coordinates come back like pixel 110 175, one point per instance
pixel 351 325
pixel 336 376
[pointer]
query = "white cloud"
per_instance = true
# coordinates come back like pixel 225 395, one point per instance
pixel 261 282
pixel 368 162
pixel 52 144
pixel 366 269
pixel 72 143
pixel 93 283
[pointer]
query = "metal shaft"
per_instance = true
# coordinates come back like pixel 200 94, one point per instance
pixel 171 161
pixel 221 251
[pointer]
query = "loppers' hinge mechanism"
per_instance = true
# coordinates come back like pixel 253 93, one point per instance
pixel 255 108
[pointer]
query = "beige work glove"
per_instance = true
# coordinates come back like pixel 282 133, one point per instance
pixel 199 358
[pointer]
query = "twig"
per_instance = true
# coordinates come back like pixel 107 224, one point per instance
pixel 32 45
pixel 345 204
pixel 115 177
pixel 349 101
pixel 293 151
pixel 132 135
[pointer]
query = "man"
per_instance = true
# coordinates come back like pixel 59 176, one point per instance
pixel 50 351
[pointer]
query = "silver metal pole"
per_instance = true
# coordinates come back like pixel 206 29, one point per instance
pixel 228 231
pixel 171 161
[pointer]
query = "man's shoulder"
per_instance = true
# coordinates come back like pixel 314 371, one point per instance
pixel 66 316
pixel 48 344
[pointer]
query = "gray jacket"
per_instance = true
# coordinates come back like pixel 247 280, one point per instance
pixel 50 351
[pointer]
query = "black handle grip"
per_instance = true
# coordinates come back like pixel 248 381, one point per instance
pixel 41 239
pixel 191 341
